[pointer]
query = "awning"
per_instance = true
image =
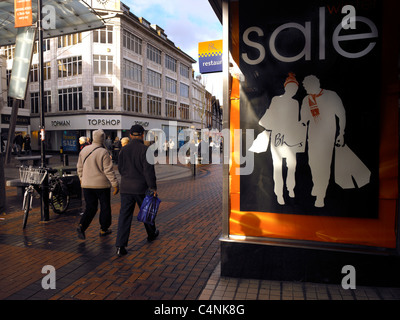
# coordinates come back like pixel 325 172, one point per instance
pixel 70 16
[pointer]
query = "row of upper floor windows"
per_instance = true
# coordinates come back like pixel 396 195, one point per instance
pixel 134 43
pixel 71 99
pixel 105 35
pixel 103 65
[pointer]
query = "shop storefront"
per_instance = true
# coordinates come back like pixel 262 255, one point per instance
pixel 65 130
pixel 314 97
pixel 22 127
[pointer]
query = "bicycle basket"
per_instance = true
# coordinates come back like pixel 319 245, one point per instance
pixel 32 175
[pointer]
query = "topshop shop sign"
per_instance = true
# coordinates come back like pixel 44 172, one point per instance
pixel 104 122
pixel 91 122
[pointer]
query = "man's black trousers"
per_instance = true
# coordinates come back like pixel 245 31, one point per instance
pixel 128 202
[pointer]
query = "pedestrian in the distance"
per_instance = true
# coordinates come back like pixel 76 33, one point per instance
pixel 95 171
pixel 137 176
pixel 109 144
pixel 124 141
pixel 116 148
pixel 82 143
pixel 27 145
pixel 18 142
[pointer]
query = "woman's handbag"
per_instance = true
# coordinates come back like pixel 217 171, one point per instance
pixel 149 208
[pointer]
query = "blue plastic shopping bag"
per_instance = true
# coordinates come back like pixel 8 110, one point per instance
pixel 149 208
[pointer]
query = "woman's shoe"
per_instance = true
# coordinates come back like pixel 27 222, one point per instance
pixel 81 233
pixel 105 232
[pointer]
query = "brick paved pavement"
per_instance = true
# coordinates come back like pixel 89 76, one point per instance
pixel 177 265
pixel 181 264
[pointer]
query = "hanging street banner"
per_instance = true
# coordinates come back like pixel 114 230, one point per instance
pixel 210 56
pixel 23 13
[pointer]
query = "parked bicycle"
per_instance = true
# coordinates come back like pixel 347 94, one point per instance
pixel 58 192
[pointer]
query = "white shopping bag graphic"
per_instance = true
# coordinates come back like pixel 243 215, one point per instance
pixel 350 171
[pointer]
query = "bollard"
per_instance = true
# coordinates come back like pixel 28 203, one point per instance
pixel 61 153
pixel 194 169
pixel 2 185
pixel 65 160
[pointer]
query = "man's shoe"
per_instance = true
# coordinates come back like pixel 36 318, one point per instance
pixel 121 251
pixel 104 233
pixel 81 233
pixel 153 237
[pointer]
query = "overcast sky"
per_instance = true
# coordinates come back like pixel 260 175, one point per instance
pixel 186 23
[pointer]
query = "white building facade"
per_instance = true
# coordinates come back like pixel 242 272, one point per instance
pixel 127 73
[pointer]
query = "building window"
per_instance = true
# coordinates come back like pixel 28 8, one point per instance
pixel 9 51
pixel 103 35
pixel 170 108
pixel 133 71
pixel 35 108
pixel 132 101
pixel 69 67
pixel 47 71
pixel 153 54
pixel 34 102
pixel 103 98
pixel 69 40
pixel 10 102
pixel 170 63
pixel 184 70
pixel 184 90
pixel 8 76
pixel 34 73
pixel 170 85
pixel 184 111
pixel 70 99
pixel 46 46
pixel 132 42
pixel 153 79
pixel 153 105
pixel 47 101
pixel 102 64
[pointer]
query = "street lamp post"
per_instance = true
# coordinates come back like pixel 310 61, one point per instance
pixel 45 186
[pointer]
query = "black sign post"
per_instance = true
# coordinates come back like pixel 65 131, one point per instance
pixel 45 185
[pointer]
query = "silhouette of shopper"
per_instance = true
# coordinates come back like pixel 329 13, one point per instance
pixel 287 136
pixel 323 112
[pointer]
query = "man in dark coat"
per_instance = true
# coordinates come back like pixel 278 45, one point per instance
pixel 27 144
pixel 137 176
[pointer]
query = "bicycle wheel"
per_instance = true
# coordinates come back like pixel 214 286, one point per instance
pixel 27 206
pixel 59 198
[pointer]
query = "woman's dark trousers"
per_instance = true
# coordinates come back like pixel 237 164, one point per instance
pixel 92 199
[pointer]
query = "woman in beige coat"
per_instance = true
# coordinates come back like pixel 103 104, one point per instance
pixel 97 176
